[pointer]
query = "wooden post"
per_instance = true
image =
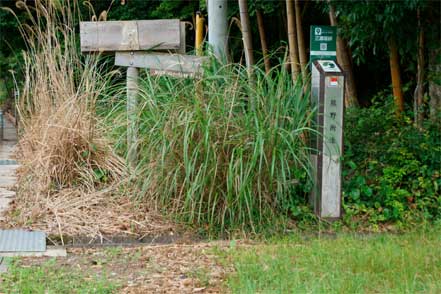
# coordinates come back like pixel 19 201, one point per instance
pixel 132 126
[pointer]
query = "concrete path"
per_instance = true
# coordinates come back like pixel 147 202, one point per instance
pixel 8 166
pixel 8 181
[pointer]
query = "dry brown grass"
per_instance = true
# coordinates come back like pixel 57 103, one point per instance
pixel 71 181
pixel 95 214
pixel 62 142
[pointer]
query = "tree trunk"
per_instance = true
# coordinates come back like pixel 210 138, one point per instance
pixel 434 84
pixel 284 29
pixel 344 59
pixel 263 43
pixel 246 34
pixel 301 42
pixel 292 40
pixel 395 75
pixel 419 115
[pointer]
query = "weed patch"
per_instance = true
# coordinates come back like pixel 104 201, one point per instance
pixel 50 278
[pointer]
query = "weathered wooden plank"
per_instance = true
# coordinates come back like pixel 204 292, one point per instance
pixel 162 34
pixel 160 62
pixel 183 44
pixel 159 34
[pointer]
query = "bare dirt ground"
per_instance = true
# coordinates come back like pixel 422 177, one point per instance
pixel 177 268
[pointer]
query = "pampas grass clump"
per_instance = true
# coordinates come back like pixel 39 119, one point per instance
pixel 62 143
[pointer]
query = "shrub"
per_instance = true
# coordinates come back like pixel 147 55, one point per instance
pixel 391 168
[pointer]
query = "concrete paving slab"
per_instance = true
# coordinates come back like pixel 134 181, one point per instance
pixel 8 170
pixel 8 167
pixel 9 130
pixel 8 182
pixel 5 193
pixel 4 203
pixel 50 252
pixel 6 150
pixel 22 240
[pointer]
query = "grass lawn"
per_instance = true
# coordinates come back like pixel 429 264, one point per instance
pixel 408 263
pixel 49 278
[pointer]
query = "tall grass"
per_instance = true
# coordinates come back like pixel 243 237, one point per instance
pixel 70 172
pixel 62 143
pixel 221 150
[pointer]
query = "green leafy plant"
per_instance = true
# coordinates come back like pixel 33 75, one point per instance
pixel 391 168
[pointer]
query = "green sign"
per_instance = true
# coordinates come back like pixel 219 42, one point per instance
pixel 323 43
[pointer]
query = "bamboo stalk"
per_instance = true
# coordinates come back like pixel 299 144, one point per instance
pixel 301 42
pixel 292 40
pixel 246 33
pixel 263 42
pixel 419 115
pixel 395 75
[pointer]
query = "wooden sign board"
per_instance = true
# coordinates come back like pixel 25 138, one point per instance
pixel 183 44
pixel 174 74
pixel 137 35
pixel 177 63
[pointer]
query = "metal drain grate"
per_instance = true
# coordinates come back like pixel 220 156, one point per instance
pixel 22 241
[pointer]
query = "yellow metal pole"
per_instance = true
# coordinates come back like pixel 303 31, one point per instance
pixel 199 39
pixel 199 33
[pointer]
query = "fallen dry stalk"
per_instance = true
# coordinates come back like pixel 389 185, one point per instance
pixel 73 212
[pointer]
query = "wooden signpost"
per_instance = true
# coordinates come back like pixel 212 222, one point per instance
pixel 135 44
